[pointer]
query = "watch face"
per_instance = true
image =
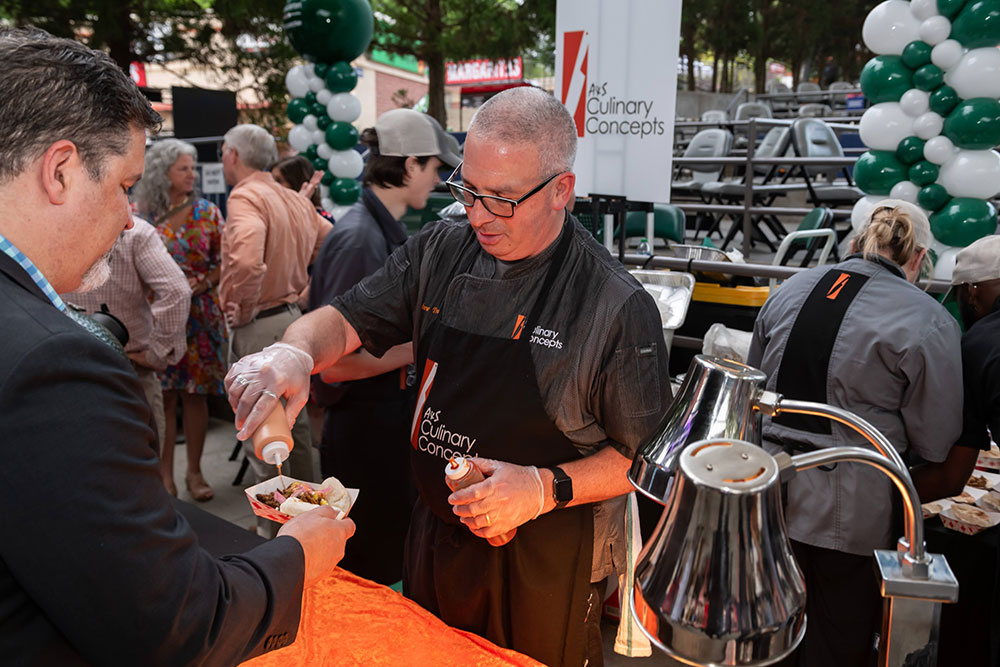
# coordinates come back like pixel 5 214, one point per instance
pixel 562 489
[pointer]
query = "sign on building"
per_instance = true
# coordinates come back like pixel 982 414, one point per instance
pixel 483 71
pixel 616 73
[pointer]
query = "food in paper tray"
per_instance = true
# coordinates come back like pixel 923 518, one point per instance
pixel 971 515
pixel 931 509
pixel 990 501
pixel 299 497
pixel 990 459
pixel 964 498
pixel 978 482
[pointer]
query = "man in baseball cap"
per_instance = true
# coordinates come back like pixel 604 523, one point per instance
pixel 405 133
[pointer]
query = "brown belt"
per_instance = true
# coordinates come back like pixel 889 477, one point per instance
pixel 277 310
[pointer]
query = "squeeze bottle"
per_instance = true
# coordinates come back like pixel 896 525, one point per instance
pixel 459 473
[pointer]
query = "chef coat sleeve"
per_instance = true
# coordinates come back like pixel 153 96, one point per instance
pixel 933 368
pixel 95 542
pixel 633 385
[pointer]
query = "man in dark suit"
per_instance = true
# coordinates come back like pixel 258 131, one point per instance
pixel 95 565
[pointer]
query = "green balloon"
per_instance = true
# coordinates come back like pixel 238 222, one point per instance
pixel 327 178
pixel 964 220
pixel 329 30
pixel 877 171
pixel 340 78
pixel 319 69
pixel 933 197
pixel 949 8
pixel 910 150
pixel 318 110
pixel 311 152
pixel 310 97
pixel 344 191
pixel 978 24
pixel 916 54
pixel 928 77
pixel 974 124
pixel 298 109
pixel 323 121
pixel 923 173
pixel 885 79
pixel 943 100
pixel 341 136
pixel 319 163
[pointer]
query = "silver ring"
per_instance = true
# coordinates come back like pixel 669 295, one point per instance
pixel 487 518
pixel 242 381
pixel 268 392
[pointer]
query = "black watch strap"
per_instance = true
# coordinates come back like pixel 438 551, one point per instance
pixel 562 487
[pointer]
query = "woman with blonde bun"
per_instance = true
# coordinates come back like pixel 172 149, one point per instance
pixel 861 336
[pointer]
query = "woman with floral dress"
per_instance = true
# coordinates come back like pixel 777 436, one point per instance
pixel 191 228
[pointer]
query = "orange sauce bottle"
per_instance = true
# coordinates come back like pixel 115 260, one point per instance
pixel 462 472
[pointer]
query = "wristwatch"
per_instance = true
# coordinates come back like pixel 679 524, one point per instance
pixel 562 487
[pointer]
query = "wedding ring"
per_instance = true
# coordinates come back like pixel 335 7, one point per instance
pixel 487 518
pixel 268 392
pixel 242 381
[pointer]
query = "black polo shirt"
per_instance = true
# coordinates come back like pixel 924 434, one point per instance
pixel 981 370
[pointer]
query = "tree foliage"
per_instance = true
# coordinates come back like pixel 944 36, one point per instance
pixel 436 31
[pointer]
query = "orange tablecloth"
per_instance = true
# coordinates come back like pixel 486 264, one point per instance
pixel 347 620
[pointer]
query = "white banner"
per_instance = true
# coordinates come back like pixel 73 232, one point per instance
pixel 213 182
pixel 616 72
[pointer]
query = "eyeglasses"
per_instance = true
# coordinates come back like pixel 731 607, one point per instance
pixel 501 207
pixel 222 150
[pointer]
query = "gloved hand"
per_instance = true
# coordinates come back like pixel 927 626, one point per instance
pixel 509 496
pixel 257 380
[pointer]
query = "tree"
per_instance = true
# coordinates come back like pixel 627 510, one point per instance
pixel 240 41
pixel 438 30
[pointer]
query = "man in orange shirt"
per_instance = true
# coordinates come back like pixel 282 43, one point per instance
pixel 271 235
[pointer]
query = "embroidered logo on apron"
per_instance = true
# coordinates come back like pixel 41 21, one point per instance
pixel 429 433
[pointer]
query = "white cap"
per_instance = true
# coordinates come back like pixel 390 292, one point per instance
pixel 274 452
pixel 918 217
pixel 978 262
pixel 405 133
pixel 460 468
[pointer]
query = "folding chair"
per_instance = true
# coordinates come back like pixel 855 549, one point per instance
pixel 812 137
pixel 817 220
pixel 815 111
pixel 808 91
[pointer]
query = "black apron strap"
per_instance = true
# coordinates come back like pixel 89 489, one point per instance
pixel 805 362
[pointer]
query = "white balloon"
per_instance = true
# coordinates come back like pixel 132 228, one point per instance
pixel 318 136
pixel 905 190
pixel 977 74
pixel 935 30
pixel 945 264
pixel 324 191
pixel 884 125
pixel 928 125
pixel 324 151
pixel 299 138
pixel 947 54
pixel 310 69
pixel 939 149
pixel 297 81
pixel 338 212
pixel 889 27
pixel 327 205
pixel 972 174
pixel 915 102
pixel 862 208
pixel 923 9
pixel 316 84
pixel 323 96
pixel 344 107
pixel 311 122
pixel 346 164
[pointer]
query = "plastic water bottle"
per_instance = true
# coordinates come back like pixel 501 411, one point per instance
pixel 644 248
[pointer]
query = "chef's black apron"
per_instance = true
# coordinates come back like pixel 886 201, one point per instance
pixel 530 594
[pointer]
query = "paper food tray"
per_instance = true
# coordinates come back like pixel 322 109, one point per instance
pixel 951 521
pixel 989 460
pixel 273 484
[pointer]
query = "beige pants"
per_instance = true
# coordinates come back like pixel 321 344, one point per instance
pixel 154 396
pixel 254 337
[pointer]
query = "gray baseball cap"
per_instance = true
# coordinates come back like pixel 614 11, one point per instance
pixel 978 262
pixel 405 133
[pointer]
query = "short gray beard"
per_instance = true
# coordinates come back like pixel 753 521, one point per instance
pixel 99 272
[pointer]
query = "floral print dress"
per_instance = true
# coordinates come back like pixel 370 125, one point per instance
pixel 196 245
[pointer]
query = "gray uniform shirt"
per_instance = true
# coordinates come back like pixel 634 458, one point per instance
pixel 598 347
pixel 896 363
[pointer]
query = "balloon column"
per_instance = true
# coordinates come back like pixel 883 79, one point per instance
pixel 329 34
pixel 935 116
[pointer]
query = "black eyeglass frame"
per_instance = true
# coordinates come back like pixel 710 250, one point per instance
pixel 453 186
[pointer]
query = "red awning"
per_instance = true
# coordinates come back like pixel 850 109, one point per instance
pixel 492 87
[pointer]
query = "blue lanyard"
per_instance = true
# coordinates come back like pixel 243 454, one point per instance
pixel 43 284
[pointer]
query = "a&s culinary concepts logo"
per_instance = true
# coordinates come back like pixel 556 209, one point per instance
pixel 593 110
pixel 539 335
pixel 429 432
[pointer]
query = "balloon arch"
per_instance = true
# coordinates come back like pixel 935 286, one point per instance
pixel 935 116
pixel 329 34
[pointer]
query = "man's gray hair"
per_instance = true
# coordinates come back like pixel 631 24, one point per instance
pixel 55 89
pixel 152 193
pixel 254 144
pixel 528 115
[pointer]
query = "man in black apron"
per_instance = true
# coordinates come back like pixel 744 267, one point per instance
pixel 536 352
